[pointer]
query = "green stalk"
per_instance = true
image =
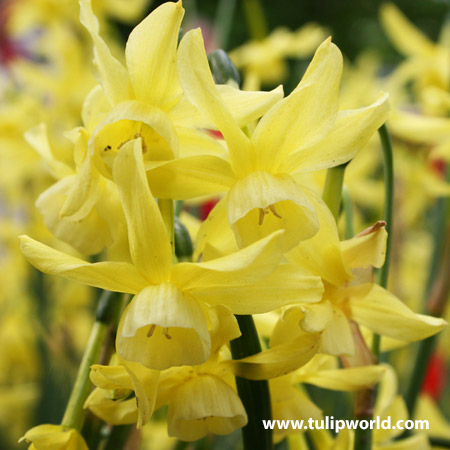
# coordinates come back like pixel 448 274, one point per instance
pixel 255 395
pixel 332 191
pixel 256 20
pixel 348 211
pixel 223 21
pixel 74 414
pixel 168 215
pixel 388 216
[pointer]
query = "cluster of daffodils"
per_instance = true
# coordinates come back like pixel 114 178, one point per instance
pixel 208 327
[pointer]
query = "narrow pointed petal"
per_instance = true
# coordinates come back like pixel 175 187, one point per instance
pixel 382 312
pixel 113 75
pixel 278 360
pixel 198 85
pixel 151 55
pixel 244 107
pixel 352 379
pixel 111 276
pixel 191 177
pixel 350 133
pixel 286 285
pixel 145 385
pixel 408 39
pixel 366 250
pixel 84 192
pixel 307 114
pixel 149 242
pixel 163 327
pixel 245 266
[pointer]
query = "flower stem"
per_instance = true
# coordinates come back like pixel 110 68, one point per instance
pixel 388 215
pixel 255 395
pixel 332 191
pixel 74 414
pixel 348 211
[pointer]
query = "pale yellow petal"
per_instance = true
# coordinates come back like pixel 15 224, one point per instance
pixel 204 404
pixel 112 276
pixel 350 133
pixel 163 327
pixel 306 115
pixel 112 74
pixel 382 312
pixel 198 85
pixel 261 203
pixel 366 250
pixel 191 177
pixel 148 237
pixel 151 55
pixel 279 360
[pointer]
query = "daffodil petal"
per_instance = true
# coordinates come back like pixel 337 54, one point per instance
pixel 147 234
pixel 418 441
pixel 383 313
pixel 261 203
pixel 163 327
pixel 112 411
pixel 110 377
pixel 111 276
pixel 245 266
pixel 351 379
pixel 366 250
pixel 202 405
pixel 408 39
pixel 351 131
pixel 38 139
pixel 191 177
pixel 278 360
pixel 145 385
pixel 113 75
pixel 151 55
pixel 286 285
pixel 307 114
pixel 198 85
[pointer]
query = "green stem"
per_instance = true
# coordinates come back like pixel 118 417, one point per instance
pixel 255 395
pixel 439 442
pixel 256 20
pixel 223 21
pixel 168 215
pixel 74 414
pixel 348 211
pixel 332 191
pixel 388 216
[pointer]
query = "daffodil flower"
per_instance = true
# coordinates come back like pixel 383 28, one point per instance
pixel 54 437
pixel 302 133
pixel 350 294
pixel 166 322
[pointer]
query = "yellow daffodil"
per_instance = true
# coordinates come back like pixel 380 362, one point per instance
pixel 167 316
pixel 304 132
pixel 54 437
pixel 350 294
pixel 145 100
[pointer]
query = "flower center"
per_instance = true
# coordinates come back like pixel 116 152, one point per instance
pixel 165 332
